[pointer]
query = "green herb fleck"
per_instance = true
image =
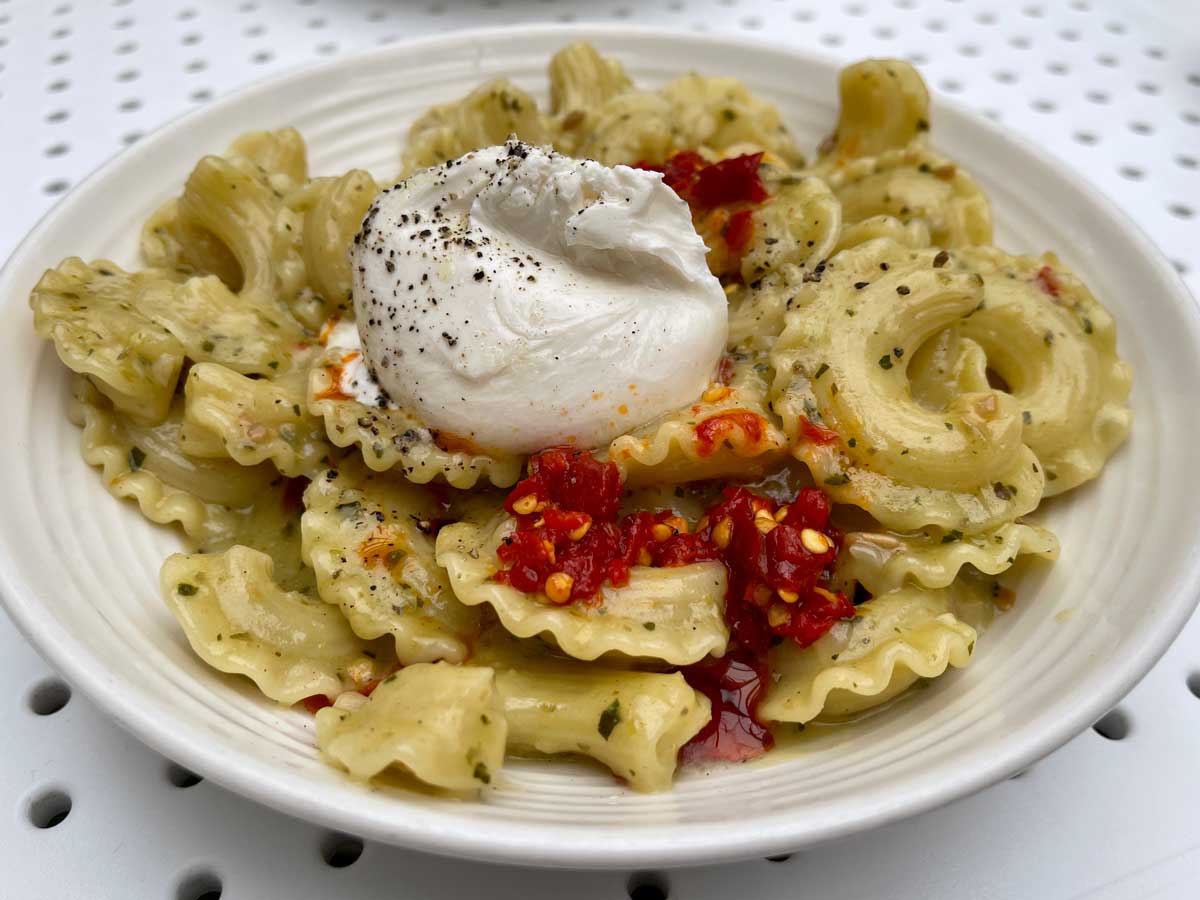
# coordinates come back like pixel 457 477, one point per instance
pixel 208 346
pixel 1027 417
pixel 183 589
pixel 885 361
pixel 952 536
pixel 821 370
pixel 853 442
pixel 840 478
pixel 137 456
pixel 609 719
pixel 1004 491
pixel 649 626
pixel 481 773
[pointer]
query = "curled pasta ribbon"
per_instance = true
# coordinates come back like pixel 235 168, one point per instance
pixel 172 239
pixel 227 414
pixel 632 722
pixel 442 724
pixel 630 127
pixel 671 614
pixel 368 539
pixel 253 219
pixel 239 621
pixel 884 106
pixel 798 225
pixel 581 83
pixel 893 640
pixel 129 332
pixel 883 562
pixel 914 233
pixel 486 116
pixel 319 222
pixel 1055 348
pixel 144 463
pixel 720 113
pixel 94 315
pixel 397 439
pixel 843 393
pixel 727 433
pixel 912 184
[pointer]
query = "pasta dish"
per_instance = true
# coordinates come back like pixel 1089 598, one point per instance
pixel 616 429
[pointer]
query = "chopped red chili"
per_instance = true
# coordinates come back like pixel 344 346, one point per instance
pixel 567 523
pixel 722 197
pixel 777 557
pixel 712 431
pixel 1047 280
pixel 818 434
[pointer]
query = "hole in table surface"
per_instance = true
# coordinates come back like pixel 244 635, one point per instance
pixel 52 694
pixel 49 808
pixel 648 886
pixel 341 850
pixel 1114 726
pixel 199 886
pixel 181 777
pixel 1193 684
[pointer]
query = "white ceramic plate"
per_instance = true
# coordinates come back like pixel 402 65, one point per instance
pixel 78 570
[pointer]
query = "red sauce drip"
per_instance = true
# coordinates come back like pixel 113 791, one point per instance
pixel 1047 280
pixel 316 703
pixel 334 370
pixel 735 684
pixel 712 431
pixel 818 434
pixel 725 370
pixel 293 494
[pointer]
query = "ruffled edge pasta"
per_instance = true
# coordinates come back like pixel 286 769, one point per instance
pixel 672 614
pixel 158 502
pixel 885 562
pixel 838 687
pixel 396 439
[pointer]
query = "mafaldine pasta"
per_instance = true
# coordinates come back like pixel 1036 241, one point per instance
pixel 615 430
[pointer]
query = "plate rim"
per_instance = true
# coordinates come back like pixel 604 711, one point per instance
pixel 452 833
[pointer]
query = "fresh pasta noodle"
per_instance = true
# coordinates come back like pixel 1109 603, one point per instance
pixel 107 444
pixel 884 105
pixel 396 439
pixel 842 390
pixel 633 722
pixel 1054 346
pixel 239 621
pixel 799 526
pixel 728 433
pixel 883 562
pixel 915 184
pixel 369 542
pixel 893 640
pixel 252 420
pixel 486 116
pixel 442 724
pixel 674 615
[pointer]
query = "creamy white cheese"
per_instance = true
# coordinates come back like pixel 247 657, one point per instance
pixel 522 299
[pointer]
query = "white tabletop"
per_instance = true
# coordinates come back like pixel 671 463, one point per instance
pixel 1113 88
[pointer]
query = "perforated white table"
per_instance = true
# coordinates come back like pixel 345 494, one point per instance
pixel 87 812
